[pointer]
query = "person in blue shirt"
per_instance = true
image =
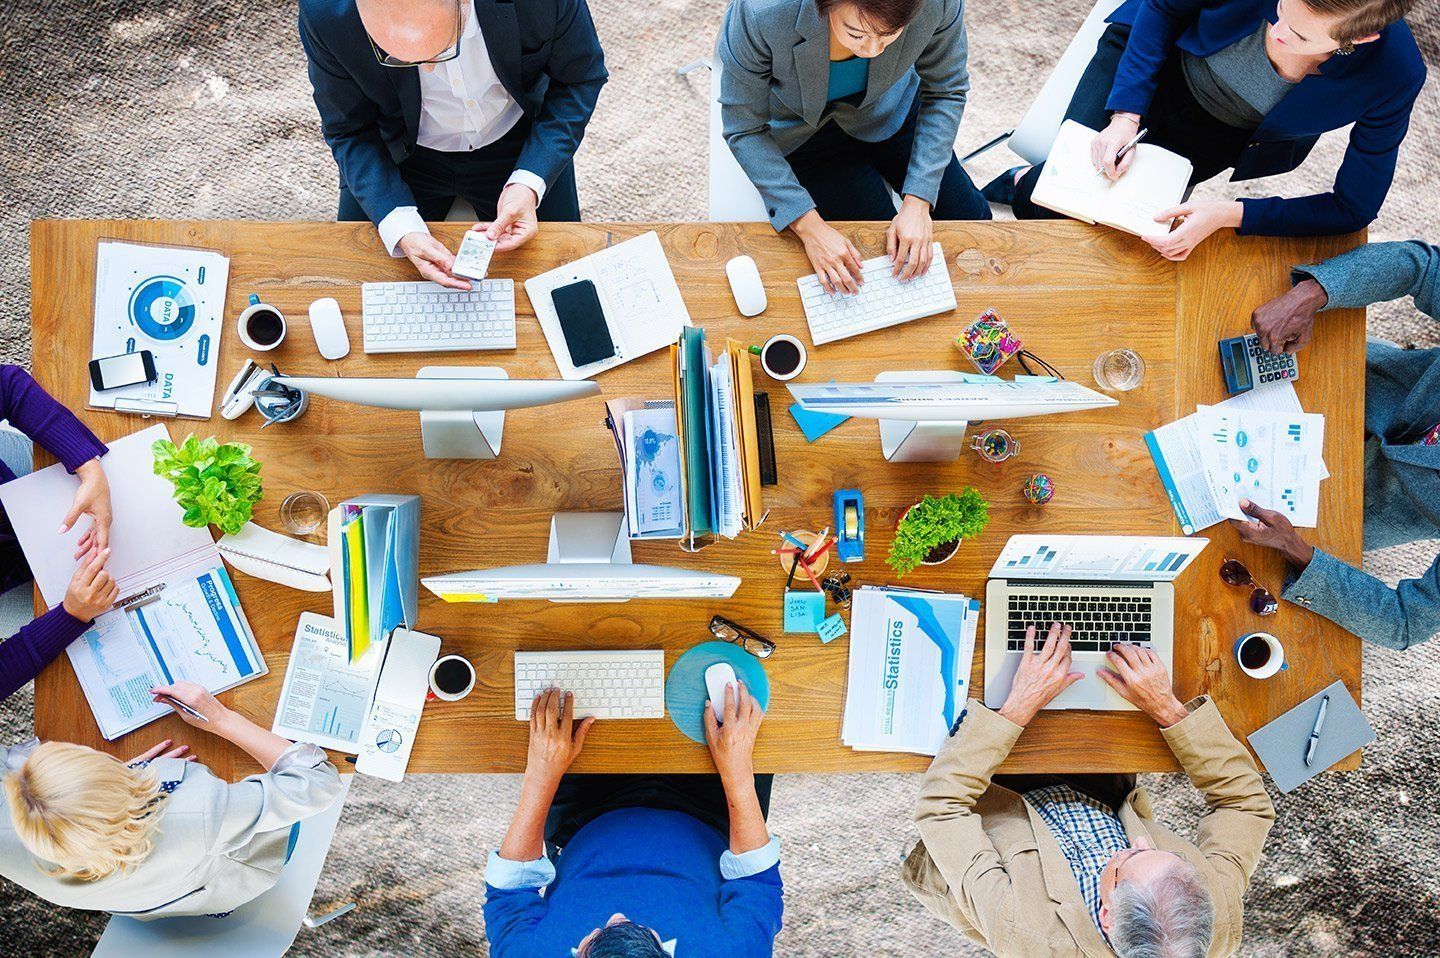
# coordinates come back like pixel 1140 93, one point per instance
pixel 636 866
pixel 1402 445
pixel 1249 85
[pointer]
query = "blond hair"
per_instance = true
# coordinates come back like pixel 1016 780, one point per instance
pixel 84 811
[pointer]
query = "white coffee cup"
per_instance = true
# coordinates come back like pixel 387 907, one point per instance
pixel 444 696
pixel 264 311
pixel 777 346
pixel 1275 655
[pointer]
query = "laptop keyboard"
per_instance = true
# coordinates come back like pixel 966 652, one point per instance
pixel 1097 621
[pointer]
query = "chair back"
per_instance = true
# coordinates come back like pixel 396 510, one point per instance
pixel 733 198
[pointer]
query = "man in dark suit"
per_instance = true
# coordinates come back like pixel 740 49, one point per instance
pixel 422 101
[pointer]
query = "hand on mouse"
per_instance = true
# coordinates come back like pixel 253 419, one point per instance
pixel 732 744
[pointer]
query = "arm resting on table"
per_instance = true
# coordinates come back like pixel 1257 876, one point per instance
pixel 1378 273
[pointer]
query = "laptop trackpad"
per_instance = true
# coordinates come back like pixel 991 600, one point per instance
pixel 1089 692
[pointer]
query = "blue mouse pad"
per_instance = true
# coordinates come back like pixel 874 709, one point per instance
pixel 685 687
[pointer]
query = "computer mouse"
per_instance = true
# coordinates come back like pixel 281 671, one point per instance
pixel 716 677
pixel 329 328
pixel 746 286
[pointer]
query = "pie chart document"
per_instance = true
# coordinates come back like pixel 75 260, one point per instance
pixel 170 301
pixel 389 732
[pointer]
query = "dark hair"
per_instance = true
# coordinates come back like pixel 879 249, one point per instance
pixel 1359 18
pixel 887 16
pixel 625 940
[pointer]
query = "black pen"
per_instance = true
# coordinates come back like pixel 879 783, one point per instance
pixel 1127 148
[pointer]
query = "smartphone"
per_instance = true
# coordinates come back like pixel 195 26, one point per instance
pixel 582 321
pixel 127 369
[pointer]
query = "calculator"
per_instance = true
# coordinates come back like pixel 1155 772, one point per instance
pixel 1247 365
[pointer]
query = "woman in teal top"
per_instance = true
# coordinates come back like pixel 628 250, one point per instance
pixel 829 105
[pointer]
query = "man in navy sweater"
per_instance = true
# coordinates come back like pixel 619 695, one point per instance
pixel 644 868
pixel 422 101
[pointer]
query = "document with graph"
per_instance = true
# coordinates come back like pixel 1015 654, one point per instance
pixel 326 697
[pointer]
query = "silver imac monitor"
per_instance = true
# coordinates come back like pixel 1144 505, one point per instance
pixel 462 408
pixel 589 561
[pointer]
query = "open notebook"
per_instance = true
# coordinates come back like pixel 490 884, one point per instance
pixel 1069 184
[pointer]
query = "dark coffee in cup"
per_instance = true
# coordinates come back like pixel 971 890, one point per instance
pixel 453 676
pixel 1255 653
pixel 782 357
pixel 265 327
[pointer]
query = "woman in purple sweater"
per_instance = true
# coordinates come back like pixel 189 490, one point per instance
pixel 92 591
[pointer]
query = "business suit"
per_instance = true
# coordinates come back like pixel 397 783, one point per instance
pixel 1136 70
pixel 1402 475
pixel 775 59
pixel 988 865
pixel 218 845
pixel 545 53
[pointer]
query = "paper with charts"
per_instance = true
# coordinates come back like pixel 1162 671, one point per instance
pixel 192 631
pixel 326 699
pixel 171 302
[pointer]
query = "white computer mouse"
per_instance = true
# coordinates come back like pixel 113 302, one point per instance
pixel 746 286
pixel 716 677
pixel 329 328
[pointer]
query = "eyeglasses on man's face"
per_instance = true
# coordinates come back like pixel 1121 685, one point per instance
pixel 449 53
pixel 727 631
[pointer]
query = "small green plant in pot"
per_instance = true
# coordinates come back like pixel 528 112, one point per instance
pixel 930 532
pixel 215 483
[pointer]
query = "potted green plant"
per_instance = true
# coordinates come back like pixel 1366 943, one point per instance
pixel 215 483
pixel 931 531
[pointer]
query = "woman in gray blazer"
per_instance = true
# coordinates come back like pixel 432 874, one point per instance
pixel 829 104
pixel 161 836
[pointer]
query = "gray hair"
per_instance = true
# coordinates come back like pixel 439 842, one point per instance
pixel 1169 917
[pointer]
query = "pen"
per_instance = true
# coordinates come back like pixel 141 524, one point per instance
pixel 1127 148
pixel 794 541
pixel 183 707
pixel 1315 732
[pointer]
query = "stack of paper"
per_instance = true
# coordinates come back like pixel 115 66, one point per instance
pixel 1259 445
pixel 910 658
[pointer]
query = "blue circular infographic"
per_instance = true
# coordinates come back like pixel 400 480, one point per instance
pixel 163 308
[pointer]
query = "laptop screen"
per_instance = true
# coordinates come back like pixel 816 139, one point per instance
pixel 1098 558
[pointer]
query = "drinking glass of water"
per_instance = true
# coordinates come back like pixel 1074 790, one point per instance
pixel 1119 370
pixel 303 512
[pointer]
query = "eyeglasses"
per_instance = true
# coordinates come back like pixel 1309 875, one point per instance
pixel 449 53
pixel 725 630
pixel 1233 572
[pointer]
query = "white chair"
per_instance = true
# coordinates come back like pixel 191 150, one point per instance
pixel 263 928
pixel 1035 133
pixel 733 198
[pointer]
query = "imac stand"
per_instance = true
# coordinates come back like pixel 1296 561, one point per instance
pixel 461 435
pixel 935 441
pixel 591 538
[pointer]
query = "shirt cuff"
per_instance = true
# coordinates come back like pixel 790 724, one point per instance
pixel 526 178
pixel 753 862
pixel 398 222
pixel 300 755
pixel 504 874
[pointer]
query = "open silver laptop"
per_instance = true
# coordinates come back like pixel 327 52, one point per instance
pixel 1108 589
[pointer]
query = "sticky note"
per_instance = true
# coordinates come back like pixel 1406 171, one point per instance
pixel 832 628
pixel 814 424
pixel 804 610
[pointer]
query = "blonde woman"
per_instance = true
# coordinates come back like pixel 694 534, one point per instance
pixel 161 836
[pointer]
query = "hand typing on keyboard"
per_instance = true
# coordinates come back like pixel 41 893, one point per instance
pixel 1043 674
pixel 1139 676
pixel 555 738
pixel 833 257
pixel 909 239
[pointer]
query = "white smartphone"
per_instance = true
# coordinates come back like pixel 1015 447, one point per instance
pixel 473 260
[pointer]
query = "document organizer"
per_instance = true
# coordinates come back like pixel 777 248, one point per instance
pixel 717 435
pixel 375 567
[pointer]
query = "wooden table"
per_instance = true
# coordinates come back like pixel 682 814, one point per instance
pixel 1070 290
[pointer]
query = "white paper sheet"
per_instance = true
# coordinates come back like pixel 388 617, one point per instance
pixel 1272 459
pixel 389 731
pixel 325 699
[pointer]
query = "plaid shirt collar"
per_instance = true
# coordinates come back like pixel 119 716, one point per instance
pixel 1088 834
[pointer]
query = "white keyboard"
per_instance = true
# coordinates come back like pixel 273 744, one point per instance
pixel 883 300
pixel 607 685
pixel 428 318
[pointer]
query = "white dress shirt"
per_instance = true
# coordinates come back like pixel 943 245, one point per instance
pixel 463 107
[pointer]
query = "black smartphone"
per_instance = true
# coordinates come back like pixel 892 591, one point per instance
pixel 126 369
pixel 582 321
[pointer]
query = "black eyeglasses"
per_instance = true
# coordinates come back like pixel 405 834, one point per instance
pixel 758 646
pixel 449 53
pixel 1233 572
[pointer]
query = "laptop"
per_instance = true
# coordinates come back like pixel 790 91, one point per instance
pixel 1108 589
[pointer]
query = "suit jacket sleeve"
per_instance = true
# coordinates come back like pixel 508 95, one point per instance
pixel 944 84
pixel 576 68
pixel 1378 273
pixel 349 123
pixel 302 783
pixel 1231 834
pixel 1158 24
pixel 951 831
pixel 1397 618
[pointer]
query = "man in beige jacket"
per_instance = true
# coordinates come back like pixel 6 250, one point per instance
pixel 1046 867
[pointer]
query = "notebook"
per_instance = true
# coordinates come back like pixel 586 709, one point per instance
pixel 1281 745
pixel 1156 181
pixel 375 567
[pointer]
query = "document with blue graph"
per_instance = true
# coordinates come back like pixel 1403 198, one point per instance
pixel 326 697
pixel 909 671
pixel 191 630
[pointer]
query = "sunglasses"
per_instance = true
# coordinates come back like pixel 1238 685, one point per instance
pixel 1233 572
pixel 727 631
